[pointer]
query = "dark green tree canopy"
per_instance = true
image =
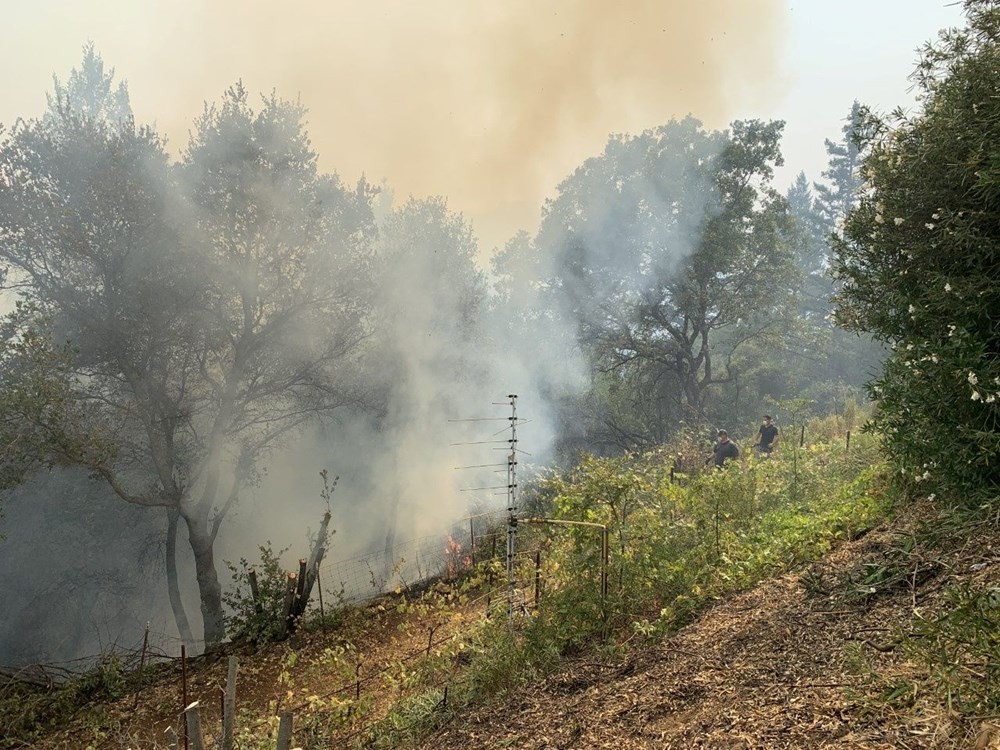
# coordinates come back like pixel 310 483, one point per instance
pixel 671 252
pixel 921 257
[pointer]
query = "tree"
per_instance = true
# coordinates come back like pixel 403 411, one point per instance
pixel 90 92
pixel 212 309
pixel 670 251
pixel 835 200
pixel 919 263
pixel 812 250
pixel 41 423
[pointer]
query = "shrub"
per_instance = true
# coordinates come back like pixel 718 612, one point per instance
pixel 919 262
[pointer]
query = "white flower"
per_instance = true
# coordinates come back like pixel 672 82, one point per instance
pixel 929 225
pixel 926 475
pixel 947 287
pixel 973 380
pixel 934 358
pixel 912 309
pixel 879 219
pixel 990 399
pixel 909 347
pixel 898 220
pixel 935 216
pixel 976 396
pixel 931 497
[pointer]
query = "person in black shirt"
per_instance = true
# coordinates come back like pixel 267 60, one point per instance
pixel 723 449
pixel 767 436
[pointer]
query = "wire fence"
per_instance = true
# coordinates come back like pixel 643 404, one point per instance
pixel 476 544
pixel 404 566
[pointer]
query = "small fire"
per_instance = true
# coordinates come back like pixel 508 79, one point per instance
pixel 454 559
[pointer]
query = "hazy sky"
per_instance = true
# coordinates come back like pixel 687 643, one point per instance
pixel 489 104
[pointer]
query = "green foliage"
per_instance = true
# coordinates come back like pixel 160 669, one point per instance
pixel 674 547
pixel 665 254
pixel 42 422
pixel 961 649
pixel 919 261
pixel 257 620
pixel 29 713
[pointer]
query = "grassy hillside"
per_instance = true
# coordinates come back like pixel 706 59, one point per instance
pixel 682 546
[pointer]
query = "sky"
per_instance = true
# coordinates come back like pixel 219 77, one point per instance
pixel 491 105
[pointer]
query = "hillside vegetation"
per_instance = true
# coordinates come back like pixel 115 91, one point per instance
pixel 675 547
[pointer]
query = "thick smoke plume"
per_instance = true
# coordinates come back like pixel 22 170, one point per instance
pixel 489 104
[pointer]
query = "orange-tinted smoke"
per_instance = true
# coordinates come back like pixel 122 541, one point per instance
pixel 490 104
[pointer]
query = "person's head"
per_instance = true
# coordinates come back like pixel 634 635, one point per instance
pixel 767 419
pixel 723 436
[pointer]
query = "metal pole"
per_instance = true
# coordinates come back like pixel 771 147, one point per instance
pixel 538 576
pixel 472 543
pixel 511 505
pixel 604 564
pixel 184 692
pixel 848 440
pixel 802 436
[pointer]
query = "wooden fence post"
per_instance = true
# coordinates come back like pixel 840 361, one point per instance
pixel 284 732
pixel 309 570
pixel 300 586
pixel 229 706
pixel 193 723
pixel 286 610
pixel 255 590
pixel 142 664
pixel 848 440
pixel 319 590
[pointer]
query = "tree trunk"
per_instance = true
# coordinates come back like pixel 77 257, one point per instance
pixel 173 588
pixel 209 590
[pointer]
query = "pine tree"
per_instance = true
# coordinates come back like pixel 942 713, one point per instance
pixel 90 93
pixel 835 200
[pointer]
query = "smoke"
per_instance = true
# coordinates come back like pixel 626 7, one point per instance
pixel 489 104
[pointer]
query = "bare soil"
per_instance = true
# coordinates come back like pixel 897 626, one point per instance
pixel 805 660
pixel 791 663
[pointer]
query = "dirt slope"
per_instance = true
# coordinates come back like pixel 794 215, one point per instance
pixel 801 661
pixel 784 665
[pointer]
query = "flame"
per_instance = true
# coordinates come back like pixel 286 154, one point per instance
pixel 454 558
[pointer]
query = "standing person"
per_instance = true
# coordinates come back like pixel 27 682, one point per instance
pixel 767 436
pixel 723 449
